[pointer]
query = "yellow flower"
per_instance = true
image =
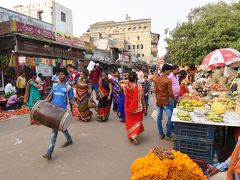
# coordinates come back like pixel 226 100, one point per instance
pixel 151 167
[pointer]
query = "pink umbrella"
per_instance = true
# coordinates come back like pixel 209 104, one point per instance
pixel 221 57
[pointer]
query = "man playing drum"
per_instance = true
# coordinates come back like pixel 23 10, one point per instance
pixel 60 98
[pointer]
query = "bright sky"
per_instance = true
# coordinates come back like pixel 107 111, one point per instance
pixel 163 13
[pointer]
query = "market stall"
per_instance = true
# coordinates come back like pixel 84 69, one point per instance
pixel 196 121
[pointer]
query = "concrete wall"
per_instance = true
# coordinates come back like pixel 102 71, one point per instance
pixel 7 15
pixel 66 27
pixel 51 13
pixel 46 7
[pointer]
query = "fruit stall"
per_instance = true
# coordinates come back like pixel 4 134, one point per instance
pixel 200 123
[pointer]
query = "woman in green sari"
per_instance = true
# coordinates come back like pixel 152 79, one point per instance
pixel 32 93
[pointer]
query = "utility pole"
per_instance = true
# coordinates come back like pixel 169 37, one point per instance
pixel 122 62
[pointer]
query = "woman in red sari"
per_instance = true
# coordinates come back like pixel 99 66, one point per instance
pixel 105 97
pixel 134 108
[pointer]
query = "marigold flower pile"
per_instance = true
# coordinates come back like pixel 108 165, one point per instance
pixel 165 165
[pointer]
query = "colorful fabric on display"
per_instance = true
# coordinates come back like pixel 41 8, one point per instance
pixel 64 63
pixel 47 61
pixel 37 61
pixel 12 61
pixel 54 62
pixel 50 62
pixel 70 62
pixel 32 60
pixel 43 61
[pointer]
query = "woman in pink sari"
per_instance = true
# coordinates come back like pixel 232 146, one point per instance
pixel 134 108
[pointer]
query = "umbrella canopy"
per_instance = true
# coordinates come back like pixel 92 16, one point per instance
pixel 221 57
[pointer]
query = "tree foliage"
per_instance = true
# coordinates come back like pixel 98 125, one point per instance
pixel 210 27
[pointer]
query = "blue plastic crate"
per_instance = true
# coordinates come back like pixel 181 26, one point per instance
pixel 199 150
pixel 194 131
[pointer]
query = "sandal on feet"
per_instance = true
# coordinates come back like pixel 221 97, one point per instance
pixel 47 156
pixel 134 139
pixel 162 136
pixel 169 138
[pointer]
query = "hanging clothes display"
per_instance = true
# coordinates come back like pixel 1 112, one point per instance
pixel 37 61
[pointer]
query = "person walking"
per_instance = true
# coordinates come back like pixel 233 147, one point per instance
pixel 105 98
pixel 116 91
pixel 55 78
pixel 94 78
pixel 134 107
pixel 147 90
pixel 21 84
pixel 61 94
pixel 83 95
pixel 32 94
pixel 163 87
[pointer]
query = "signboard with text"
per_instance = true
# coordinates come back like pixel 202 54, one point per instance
pixel 32 30
pixel 69 40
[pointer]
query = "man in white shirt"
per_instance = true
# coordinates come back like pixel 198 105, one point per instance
pixel 140 75
pixel 55 78
pixel 39 81
pixel 9 88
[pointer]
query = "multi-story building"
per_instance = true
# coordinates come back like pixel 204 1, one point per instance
pixel 51 12
pixel 140 41
pixel 8 15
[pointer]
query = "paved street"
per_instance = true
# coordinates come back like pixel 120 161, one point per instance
pixel 101 151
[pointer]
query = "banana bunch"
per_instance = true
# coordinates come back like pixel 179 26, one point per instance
pixel 186 108
pixel 183 115
pixel 212 116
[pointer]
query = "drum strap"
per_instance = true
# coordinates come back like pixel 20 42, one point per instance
pixel 68 103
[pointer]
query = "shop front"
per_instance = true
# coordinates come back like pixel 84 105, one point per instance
pixel 22 53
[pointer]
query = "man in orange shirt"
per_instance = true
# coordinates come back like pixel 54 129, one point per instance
pixel 163 87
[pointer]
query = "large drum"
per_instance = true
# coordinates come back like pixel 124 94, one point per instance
pixel 51 116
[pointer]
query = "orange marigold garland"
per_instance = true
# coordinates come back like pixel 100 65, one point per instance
pixel 164 165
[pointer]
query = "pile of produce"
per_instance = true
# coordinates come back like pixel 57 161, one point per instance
pixel 237 97
pixel 9 94
pixel 164 165
pixel 7 114
pixel 189 104
pixel 233 95
pixel 227 102
pixel 218 108
pixel 212 116
pixel 217 87
pixel 183 115
pixel 196 96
